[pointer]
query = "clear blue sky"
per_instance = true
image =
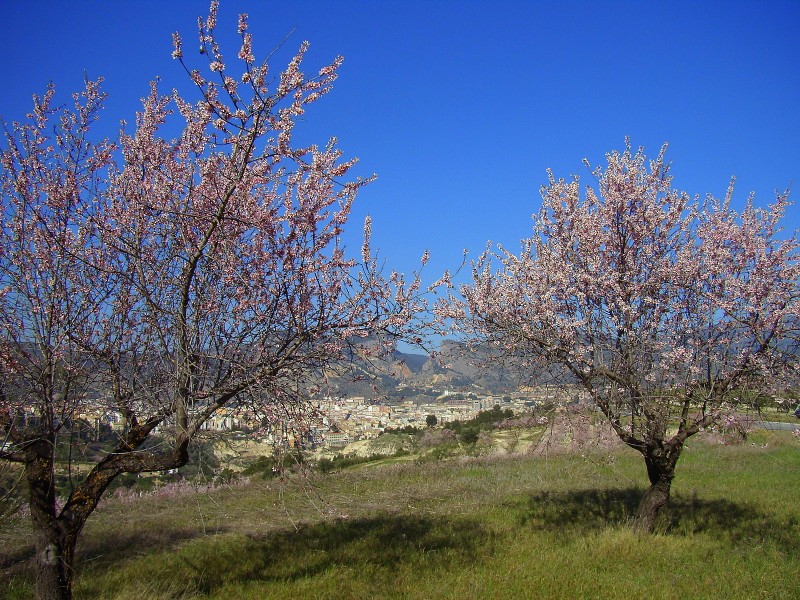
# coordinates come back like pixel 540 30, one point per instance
pixel 459 107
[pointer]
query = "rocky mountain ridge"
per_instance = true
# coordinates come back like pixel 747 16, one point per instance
pixel 393 374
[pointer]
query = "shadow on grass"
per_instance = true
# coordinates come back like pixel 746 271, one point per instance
pixel 119 545
pixel 104 550
pixel 14 562
pixel 186 559
pixel 384 543
pixel 588 510
pixel 582 510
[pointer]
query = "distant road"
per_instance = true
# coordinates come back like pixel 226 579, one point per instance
pixel 777 425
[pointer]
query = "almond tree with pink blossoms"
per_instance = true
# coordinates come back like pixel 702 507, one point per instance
pixel 665 309
pixel 163 280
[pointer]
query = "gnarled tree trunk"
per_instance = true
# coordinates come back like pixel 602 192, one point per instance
pixel 53 552
pixel 660 472
pixel 54 562
pixel 55 530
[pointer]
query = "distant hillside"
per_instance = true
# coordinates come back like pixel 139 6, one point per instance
pixel 456 367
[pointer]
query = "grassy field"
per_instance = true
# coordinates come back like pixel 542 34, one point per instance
pixel 486 527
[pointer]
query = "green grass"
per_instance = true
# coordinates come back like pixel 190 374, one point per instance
pixel 462 528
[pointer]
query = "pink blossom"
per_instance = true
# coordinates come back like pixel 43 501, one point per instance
pixel 246 51
pixel 242 27
pixel 190 269
pixel 660 306
pixel 176 42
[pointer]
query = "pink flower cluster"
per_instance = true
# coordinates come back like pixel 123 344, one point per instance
pixel 652 301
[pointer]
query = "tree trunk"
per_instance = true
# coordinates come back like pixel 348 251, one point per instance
pixel 54 557
pixel 54 550
pixel 55 530
pixel 660 472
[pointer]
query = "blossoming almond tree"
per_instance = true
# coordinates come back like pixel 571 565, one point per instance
pixel 665 309
pixel 163 280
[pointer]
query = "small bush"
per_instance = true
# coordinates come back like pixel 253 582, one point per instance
pixel 469 435
pixel 436 437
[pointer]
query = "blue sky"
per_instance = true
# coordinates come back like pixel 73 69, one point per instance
pixel 460 107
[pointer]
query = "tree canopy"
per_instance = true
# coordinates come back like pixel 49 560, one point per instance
pixel 665 308
pixel 159 278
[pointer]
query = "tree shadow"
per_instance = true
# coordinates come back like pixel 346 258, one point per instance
pixel 13 562
pixel 102 551
pixel 583 510
pixel 110 548
pixel 380 542
pixel 739 523
pixel 592 510
pixel 207 561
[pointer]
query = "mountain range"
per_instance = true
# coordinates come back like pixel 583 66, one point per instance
pixel 396 375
